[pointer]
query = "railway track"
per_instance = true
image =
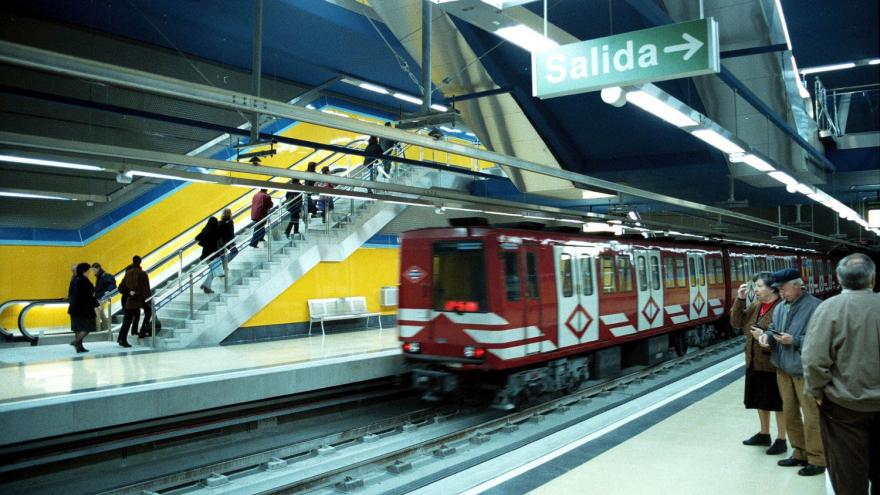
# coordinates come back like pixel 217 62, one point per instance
pixel 408 451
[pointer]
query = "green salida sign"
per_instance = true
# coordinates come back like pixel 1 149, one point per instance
pixel 656 54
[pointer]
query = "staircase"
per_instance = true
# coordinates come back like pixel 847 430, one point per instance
pixel 256 276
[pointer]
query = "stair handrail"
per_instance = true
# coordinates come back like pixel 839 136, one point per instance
pixel 31 303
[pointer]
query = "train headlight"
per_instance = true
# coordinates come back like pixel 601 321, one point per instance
pixel 474 352
pixel 411 347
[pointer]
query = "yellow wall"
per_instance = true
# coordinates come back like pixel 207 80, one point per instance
pixel 43 272
pixel 362 274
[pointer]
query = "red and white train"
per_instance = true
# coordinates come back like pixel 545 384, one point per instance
pixel 533 311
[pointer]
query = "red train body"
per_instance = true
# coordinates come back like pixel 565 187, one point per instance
pixel 501 299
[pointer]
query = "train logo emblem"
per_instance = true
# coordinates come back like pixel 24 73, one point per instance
pixel 699 302
pixel 650 310
pixel 587 321
pixel 414 274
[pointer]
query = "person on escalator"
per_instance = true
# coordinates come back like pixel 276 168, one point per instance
pixel 294 201
pixel 387 146
pixel 312 207
pixel 137 286
pixel 104 284
pixel 227 233
pixel 210 238
pixel 326 200
pixel 81 308
pixel 372 150
pixel 260 206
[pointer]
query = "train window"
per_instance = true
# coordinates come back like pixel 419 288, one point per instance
pixel 565 275
pixel 669 271
pixel 511 275
pixel 532 275
pixel 693 272
pixel 655 273
pixel 643 273
pixel 608 281
pixel 680 276
pixel 587 275
pixel 719 270
pixel 710 273
pixel 701 270
pixel 459 278
pixel 625 273
pixel 740 273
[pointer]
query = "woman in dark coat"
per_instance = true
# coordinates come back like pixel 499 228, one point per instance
pixel 82 304
pixel 761 391
pixel 294 202
pixel 210 238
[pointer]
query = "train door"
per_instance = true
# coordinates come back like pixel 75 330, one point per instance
pixel 588 294
pixel 576 295
pixel 567 301
pixel 650 292
pixel 515 300
pixel 533 318
pixel 698 292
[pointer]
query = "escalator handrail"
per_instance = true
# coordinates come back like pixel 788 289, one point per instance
pixel 31 303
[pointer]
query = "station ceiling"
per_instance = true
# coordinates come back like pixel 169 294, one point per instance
pixel 308 43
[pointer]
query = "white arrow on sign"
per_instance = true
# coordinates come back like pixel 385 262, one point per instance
pixel 691 46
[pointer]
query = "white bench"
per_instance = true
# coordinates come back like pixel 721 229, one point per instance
pixel 339 308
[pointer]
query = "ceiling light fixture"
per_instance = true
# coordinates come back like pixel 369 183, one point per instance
pixel 718 141
pixel 827 68
pixel 527 38
pixel 374 88
pixel 439 108
pixel 659 108
pixel 157 175
pixel 50 163
pixel 10 194
pixel 783 178
pixel 752 160
pixel 406 97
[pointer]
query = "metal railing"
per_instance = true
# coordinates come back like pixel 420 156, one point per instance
pixel 847 110
pixel 183 264
pixel 160 271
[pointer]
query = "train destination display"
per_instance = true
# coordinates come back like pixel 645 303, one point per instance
pixel 666 52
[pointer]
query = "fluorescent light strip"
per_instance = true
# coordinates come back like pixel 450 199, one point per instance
pixel 874 61
pixel 406 97
pixel 659 108
pixel 373 88
pixel 827 68
pixel 31 196
pixel 49 163
pixel 463 209
pixel 784 24
pixel 804 189
pixel 404 203
pixel 439 108
pixel 156 175
pixel 753 161
pixel 718 141
pixel 783 178
pixel 527 38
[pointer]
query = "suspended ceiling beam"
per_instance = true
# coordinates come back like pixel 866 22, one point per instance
pixel 43 60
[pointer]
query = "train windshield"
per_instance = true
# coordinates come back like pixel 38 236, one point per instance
pixel 459 277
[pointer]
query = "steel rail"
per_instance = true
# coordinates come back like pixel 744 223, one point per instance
pixel 57 450
pixel 336 476
pixel 47 61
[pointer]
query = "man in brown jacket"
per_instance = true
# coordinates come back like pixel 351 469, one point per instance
pixel 842 372
pixel 136 284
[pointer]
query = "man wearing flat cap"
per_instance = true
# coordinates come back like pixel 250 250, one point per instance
pixel 786 335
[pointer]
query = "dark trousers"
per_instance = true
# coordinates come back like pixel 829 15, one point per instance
pixel 293 224
pixel 259 233
pixel 129 321
pixel 852 448
pixel 147 328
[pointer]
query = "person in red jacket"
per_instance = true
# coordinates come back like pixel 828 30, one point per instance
pixel 260 206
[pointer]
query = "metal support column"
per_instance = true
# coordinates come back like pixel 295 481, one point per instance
pixel 426 56
pixel 257 67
